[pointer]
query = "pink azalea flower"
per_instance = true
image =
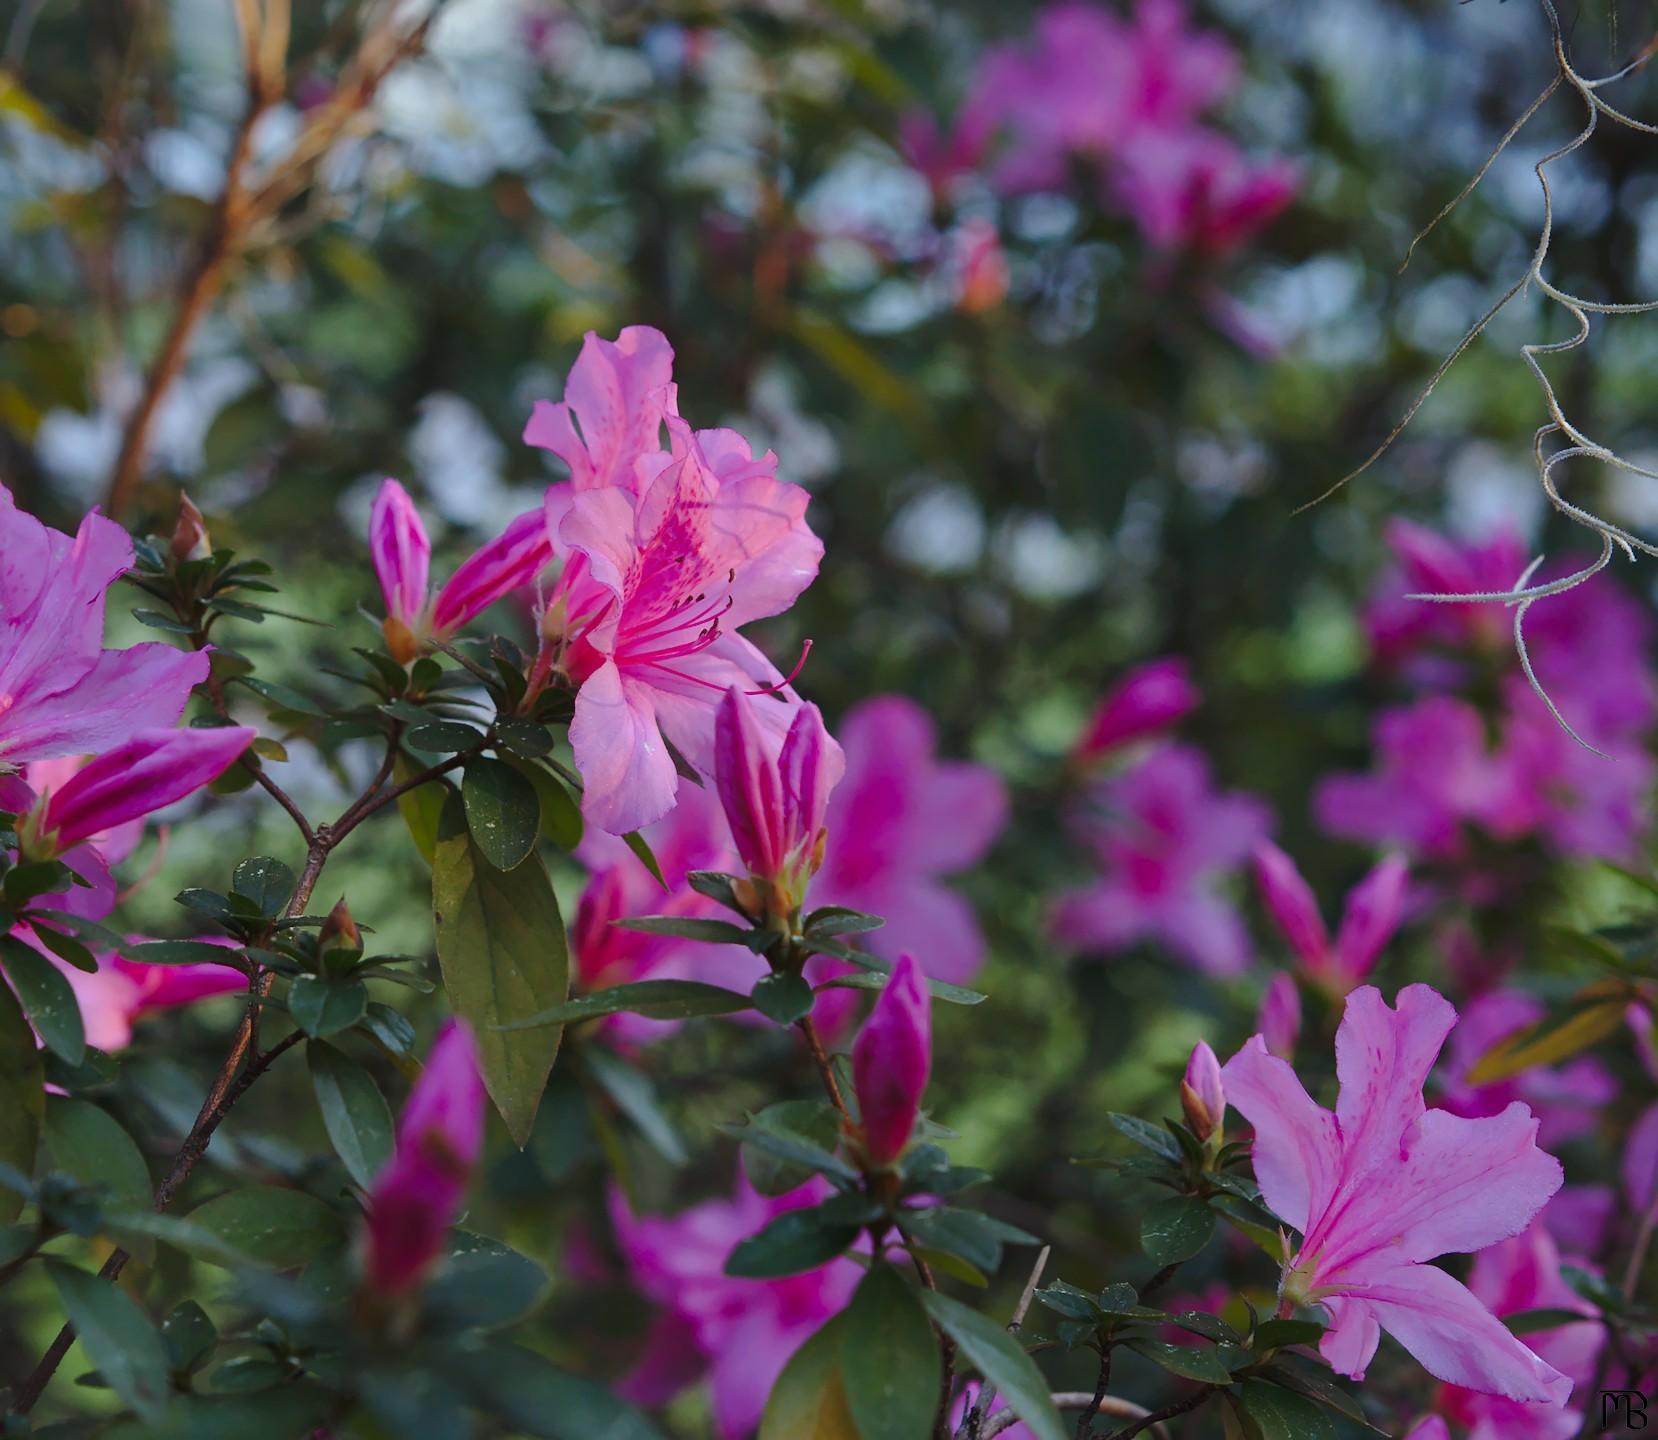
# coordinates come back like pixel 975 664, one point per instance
pixel 977 267
pixel 1164 837
pixel 644 617
pixel 1640 1162
pixel 418 1196
pixel 891 1059
pixel 402 555
pixel 1384 1185
pixel 1195 190
pixel 900 821
pixel 1148 700
pixel 1566 1100
pixel 1202 1095
pixel 61 693
pixel 737 1333
pixel 1374 909
pixel 1279 1019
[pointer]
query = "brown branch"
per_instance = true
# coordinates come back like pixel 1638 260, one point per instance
pixel 825 1069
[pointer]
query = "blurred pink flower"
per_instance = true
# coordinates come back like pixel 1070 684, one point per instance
pixel 1279 1018
pixel 1163 838
pixel 1384 1185
pixel 418 1196
pixel 1372 914
pixel 737 1333
pixel 61 692
pixel 1566 1100
pixel 977 267
pixel 121 991
pixel 1195 190
pixel 1640 1162
pixel 1148 700
pixel 891 1059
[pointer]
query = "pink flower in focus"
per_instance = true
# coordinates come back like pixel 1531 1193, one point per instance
pixel 1279 1019
pixel 1148 700
pixel 891 1059
pixel 61 693
pixel 402 555
pixel 418 1196
pixel 737 1333
pixel 1373 911
pixel 1384 1185
pixel 1566 1100
pixel 1163 838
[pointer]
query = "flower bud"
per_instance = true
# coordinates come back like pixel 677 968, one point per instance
pixel 1201 1096
pixel 1150 698
pixel 891 1059
pixel 339 931
pixel 190 538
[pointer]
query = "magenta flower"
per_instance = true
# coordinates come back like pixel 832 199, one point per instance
pixel 1279 1018
pixel 402 556
pixel 1195 190
pixel 1202 1096
pixel 1384 1185
pixel 1640 1162
pixel 418 1195
pixel 737 1333
pixel 1163 838
pixel 61 693
pixel 1566 1100
pixel 891 1059
pixel 900 821
pixel 1148 700
pixel 775 805
pixel 644 617
pixel 1374 909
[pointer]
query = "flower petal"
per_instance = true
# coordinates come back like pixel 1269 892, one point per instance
pixel 628 778
pixel 1297 1153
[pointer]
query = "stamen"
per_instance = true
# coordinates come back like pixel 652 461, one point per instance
pixel 789 679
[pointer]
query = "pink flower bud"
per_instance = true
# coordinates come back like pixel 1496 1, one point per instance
pixel 1279 1020
pixel 1148 699
pixel 1375 907
pixel 891 1059
pixel 190 540
pixel 1201 1096
pixel 153 769
pixel 1289 900
pixel 509 562
pixel 440 1136
pixel 402 560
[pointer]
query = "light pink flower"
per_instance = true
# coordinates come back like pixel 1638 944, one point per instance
pixel 1195 190
pixel 1384 1185
pixel 891 1059
pixel 1202 1096
pixel 402 555
pixel 1373 911
pixel 1279 1018
pixel 61 693
pixel 1149 699
pixel 645 615
pixel 121 991
pixel 1164 837
pixel 737 1333
pixel 440 1136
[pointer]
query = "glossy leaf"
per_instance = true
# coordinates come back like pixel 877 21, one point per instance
pixel 117 1336
pixel 47 998
pixel 1001 1360
pixel 354 1112
pixel 655 999
pixel 502 810
pixel 279 1227
pixel 809 1401
pixel 890 1359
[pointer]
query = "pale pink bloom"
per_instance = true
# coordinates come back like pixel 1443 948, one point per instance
pixel 737 1333
pixel 618 392
pixel 891 1059
pixel 1164 838
pixel 1202 1096
pixel 61 693
pixel 644 617
pixel 94 856
pixel 1148 700
pixel 440 1137
pixel 1384 1185
pixel 1432 1428
pixel 1428 563
pixel 1579 1217
pixel 899 822
pixel 402 555
pixel 1567 1099
pixel 121 991
pixel 1374 909
pixel 1279 1018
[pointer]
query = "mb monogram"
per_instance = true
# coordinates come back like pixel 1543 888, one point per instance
pixel 1622 1410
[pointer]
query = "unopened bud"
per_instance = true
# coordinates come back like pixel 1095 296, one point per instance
pixel 339 930
pixel 190 539
pixel 401 642
pixel 1201 1096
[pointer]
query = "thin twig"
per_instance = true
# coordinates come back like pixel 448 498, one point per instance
pixel 981 1404
pixel 1075 1400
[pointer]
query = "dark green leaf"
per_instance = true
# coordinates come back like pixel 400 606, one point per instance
pixel 772 1131
pixel 483 1283
pixel 86 1142
pixel 535 1398
pixel 1192 1362
pixel 1144 1133
pixel 1001 1360
pixel 156 620
pixel 284 697
pixel 1176 1229
pixel 354 1111
pixel 184 952
pixel 67 948
pixel 841 920
pixel 795 1241
pixel 976 1237
pixel 632 1093
pixel 323 1007
pixel 655 999
pixel 503 811
pixel 560 815
pixel 812 1123
pixel 890 1359
pixel 443 737
pixel 783 998
pixel 22 1100
pixel 647 857
pixel 47 998
pixel 266 882
pixel 117 1336
pixel 809 1401
pixel 686 927
pixel 189 1337
pixel 1067 1300
pixel 528 739
pixel 1282 1414
pixel 278 1227
pixel 1274 1334
pixel 1529 1322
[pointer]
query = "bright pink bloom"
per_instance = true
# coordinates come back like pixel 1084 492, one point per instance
pixel 1279 1020
pixel 121 991
pixel 1566 1100
pixel 1148 700
pixel 1164 837
pixel 1384 1185
pixel 61 693
pixel 891 1059
pixel 738 1333
pixel 402 555
pixel 644 617
pixel 1374 908
pixel 1195 190
pixel 1202 1096
pixel 900 820
pixel 440 1136
pixel 151 770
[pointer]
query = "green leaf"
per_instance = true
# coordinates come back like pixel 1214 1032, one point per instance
pixel 184 952
pixel 560 815
pixel 421 808
pixel 22 1099
pixel 782 998
pixel 809 1401
pixel 1282 1414
pixel 1176 1229
pixel 528 739
pixel 632 1093
pixel 654 999
pixel 323 1007
pixel 877 980
pixel 1554 1039
pixel 1191 1362
pixel 157 620
pixel 795 1241
pixel 140 1227
pixel 1145 1134
pixel 841 920
pixel 890 1359
pixel 286 1412
pixel 1069 1301
pixel 535 1398
pixel 189 1337
pixel 976 1237
pixel 773 1133
pixel 266 882
pixel 354 1112
pixel 483 1283
pixel 284 697
pixel 503 811
pixel 86 1142
pixel 1316 1383
pixel 647 857
pixel 443 737
pixel 1001 1360
pixel 48 999
pixel 117 1337
pixel 279 1227
pixel 67 948
pixel 1275 1334
pixel 687 927
pixel 813 1123
pixel 502 947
